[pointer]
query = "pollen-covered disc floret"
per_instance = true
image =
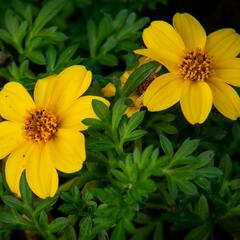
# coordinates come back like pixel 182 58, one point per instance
pixel 40 125
pixel 196 66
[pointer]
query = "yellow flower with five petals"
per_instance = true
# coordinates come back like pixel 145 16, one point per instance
pixel 200 68
pixel 44 135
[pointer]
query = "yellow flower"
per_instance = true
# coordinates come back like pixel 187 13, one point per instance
pixel 43 135
pixel 200 68
pixel 137 96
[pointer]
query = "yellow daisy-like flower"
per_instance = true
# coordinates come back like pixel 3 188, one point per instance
pixel 43 135
pixel 137 96
pixel 200 68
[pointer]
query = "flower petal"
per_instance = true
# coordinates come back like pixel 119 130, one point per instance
pixel 163 92
pixel 228 70
pixel 196 101
pixel 78 111
pixel 11 134
pixel 191 31
pixel 168 59
pixel 109 90
pixel 225 99
pixel 68 150
pixel 15 165
pixel 160 36
pixel 40 172
pixel 224 43
pixel 43 91
pixel 62 90
pixel 14 102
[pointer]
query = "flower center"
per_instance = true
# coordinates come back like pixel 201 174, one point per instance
pixel 40 125
pixel 196 66
pixel 144 85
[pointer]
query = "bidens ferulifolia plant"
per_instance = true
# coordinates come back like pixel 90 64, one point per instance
pixel 98 142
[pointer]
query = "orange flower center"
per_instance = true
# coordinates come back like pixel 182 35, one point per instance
pixel 144 85
pixel 196 66
pixel 40 125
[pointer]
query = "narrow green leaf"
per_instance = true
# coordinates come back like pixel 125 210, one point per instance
pixel 202 208
pixel 187 187
pixel 166 145
pixel 188 147
pixel 26 193
pixel 118 232
pixel 135 135
pixel 58 225
pixel 108 59
pixel 101 110
pixel 49 10
pixel 137 77
pixel 117 112
pixel 45 204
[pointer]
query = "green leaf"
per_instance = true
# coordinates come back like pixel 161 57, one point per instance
pixel 92 37
pixel 85 228
pixel 58 225
pixel 95 123
pixel 25 191
pixel 187 148
pixel 37 57
pixel 101 110
pixel 23 10
pixel 13 202
pixel 5 36
pixel 204 158
pixel 120 176
pixel 187 187
pixel 45 204
pixel 202 208
pixel 66 55
pixel 210 172
pixel 135 120
pixel 120 19
pixel 118 232
pixel 137 77
pixel 166 145
pixel 49 10
pixel 172 187
pixel 51 56
pixel 117 112
pixel 199 233
pixel 135 135
pixel 108 60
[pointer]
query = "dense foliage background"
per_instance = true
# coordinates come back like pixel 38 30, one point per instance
pixel 153 176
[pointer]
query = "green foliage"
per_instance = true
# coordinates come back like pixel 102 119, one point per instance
pixel 147 176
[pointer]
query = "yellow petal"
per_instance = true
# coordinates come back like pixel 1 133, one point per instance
pixel 196 101
pixel 78 111
pixel 168 59
pixel 109 90
pixel 68 150
pixel 14 102
pixel 224 43
pixel 163 92
pixel 228 70
pixel 11 135
pixel 131 110
pixel 124 77
pixel 63 89
pixel 191 31
pixel 225 99
pixel 160 36
pixel 40 172
pixel 15 165
pixel 43 91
